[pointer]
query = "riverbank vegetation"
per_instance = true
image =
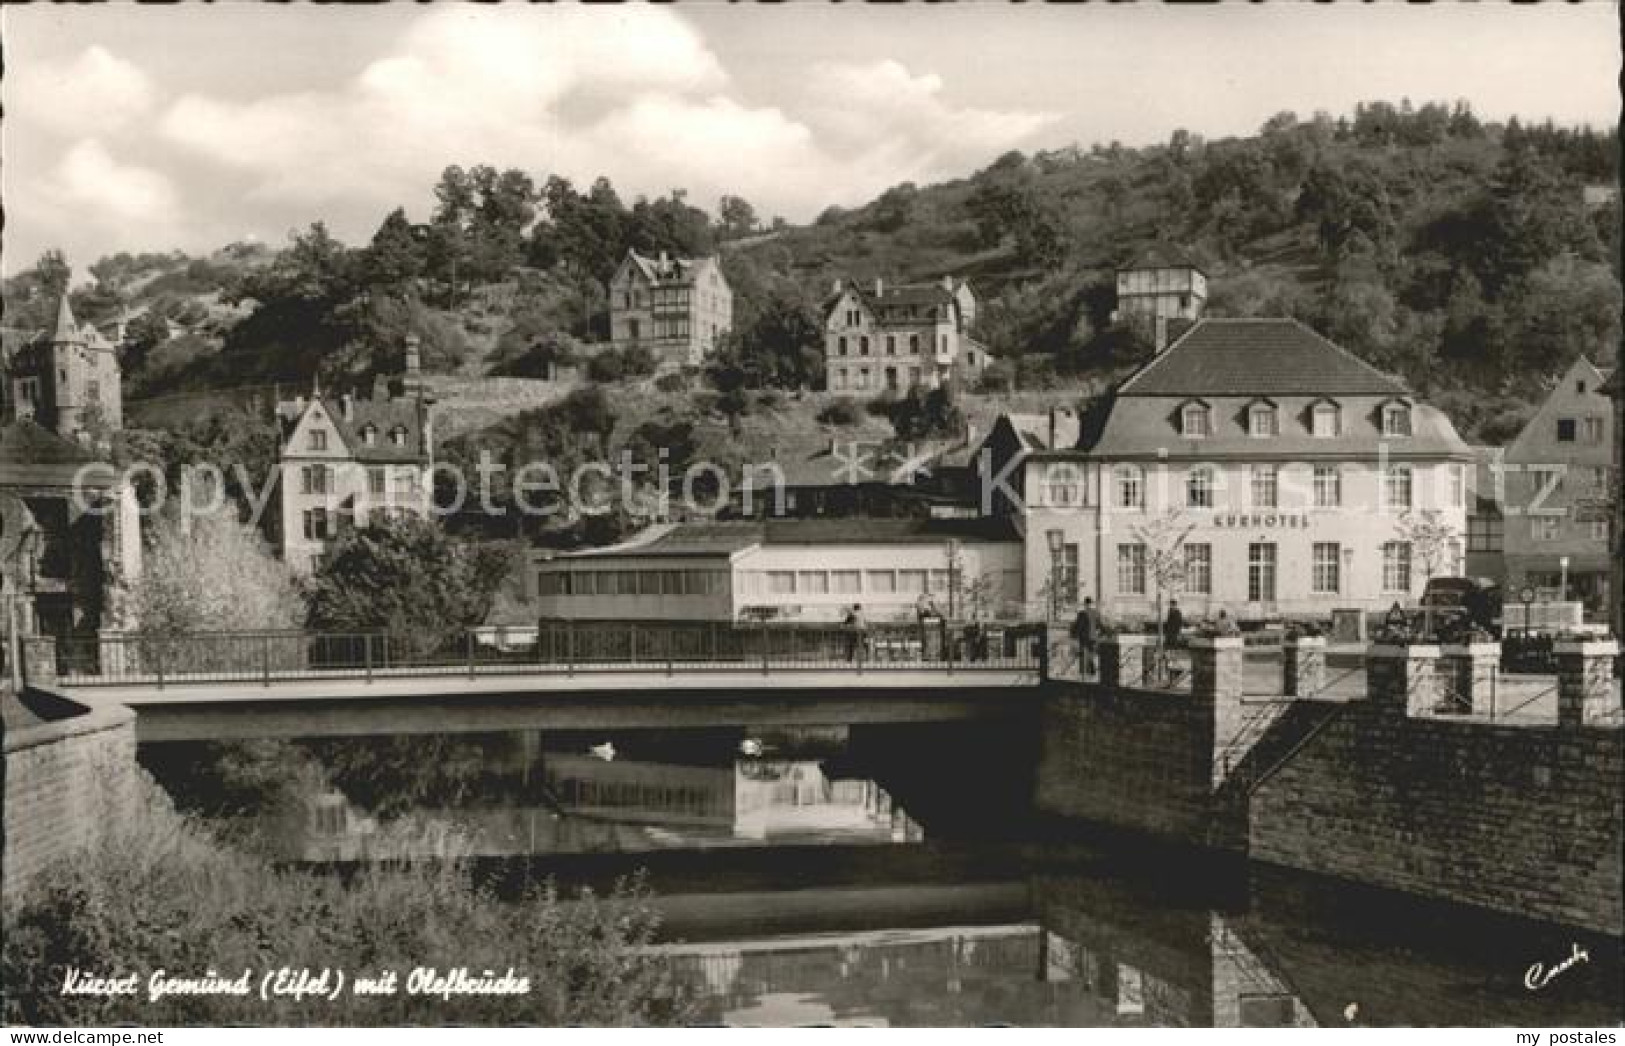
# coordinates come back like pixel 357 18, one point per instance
pixel 157 894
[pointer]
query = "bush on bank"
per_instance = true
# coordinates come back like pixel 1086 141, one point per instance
pixel 158 893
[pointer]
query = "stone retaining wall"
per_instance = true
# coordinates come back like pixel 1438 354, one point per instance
pixel 64 779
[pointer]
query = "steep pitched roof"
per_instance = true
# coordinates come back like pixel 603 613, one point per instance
pixel 67 328
pixel 29 443
pixel 1243 357
pixel 383 415
pixel 666 269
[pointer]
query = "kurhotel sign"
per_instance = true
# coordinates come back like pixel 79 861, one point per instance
pixel 1267 520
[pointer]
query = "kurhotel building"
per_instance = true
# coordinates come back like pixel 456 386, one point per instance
pixel 1286 462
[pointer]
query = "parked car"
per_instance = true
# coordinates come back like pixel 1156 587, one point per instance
pixel 1455 606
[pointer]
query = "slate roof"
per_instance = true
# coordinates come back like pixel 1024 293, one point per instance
pixel 726 538
pixel 29 443
pixel 886 304
pixel 385 415
pixel 891 464
pixel 1257 357
pixel 675 272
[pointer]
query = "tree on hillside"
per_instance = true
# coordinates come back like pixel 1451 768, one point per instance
pixel 31 296
pixel 736 215
pixel 480 223
pixel 1014 209
pixel 926 414
pixel 1349 206
pixel 398 254
pixel 405 576
pixel 210 573
pixel 779 343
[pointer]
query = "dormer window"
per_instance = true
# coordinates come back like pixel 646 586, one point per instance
pixel 1324 420
pixel 1396 419
pixel 318 439
pixel 369 435
pixel 1261 419
pixel 1195 421
pixel 397 436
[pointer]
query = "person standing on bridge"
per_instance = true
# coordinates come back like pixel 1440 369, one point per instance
pixel 1086 631
pixel 857 633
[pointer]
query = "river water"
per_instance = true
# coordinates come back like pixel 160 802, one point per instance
pixel 891 876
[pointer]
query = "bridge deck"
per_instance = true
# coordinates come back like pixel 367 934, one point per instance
pixel 395 684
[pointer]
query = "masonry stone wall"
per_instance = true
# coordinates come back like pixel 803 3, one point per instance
pixel 1521 819
pixel 64 779
pixel 1130 758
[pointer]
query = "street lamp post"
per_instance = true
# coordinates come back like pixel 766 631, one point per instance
pixel 1563 579
pixel 1055 539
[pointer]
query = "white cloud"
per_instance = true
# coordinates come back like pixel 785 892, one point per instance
pixel 89 178
pixel 96 93
pixel 633 93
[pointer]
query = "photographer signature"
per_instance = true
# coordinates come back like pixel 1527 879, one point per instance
pixel 1539 975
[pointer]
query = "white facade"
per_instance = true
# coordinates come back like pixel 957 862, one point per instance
pixel 792 581
pixel 893 339
pixel 677 307
pixel 1331 536
pixel 334 473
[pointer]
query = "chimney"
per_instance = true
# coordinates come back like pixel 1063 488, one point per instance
pixel 970 434
pixel 347 405
pixel 299 405
pixel 836 290
pixel 414 360
pixel 665 262
pixel 948 284
pixel 1064 429
pixel 880 286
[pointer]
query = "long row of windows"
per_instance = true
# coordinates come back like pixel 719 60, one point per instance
pixel 1328 563
pixel 320 479
pixel 862 345
pixel 1063 488
pixel 1264 420
pixel 860 378
pixel 551 582
pixel 320 524
pixel 905 583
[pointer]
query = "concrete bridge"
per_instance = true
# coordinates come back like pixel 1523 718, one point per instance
pixel 234 686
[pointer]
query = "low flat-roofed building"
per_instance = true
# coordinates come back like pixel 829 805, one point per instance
pixel 787 570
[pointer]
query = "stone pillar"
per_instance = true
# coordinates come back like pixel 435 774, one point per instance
pixel 1217 665
pixel 1125 659
pixel 39 660
pixel 1303 666
pixel 1403 680
pixel 1585 682
pixel 1471 670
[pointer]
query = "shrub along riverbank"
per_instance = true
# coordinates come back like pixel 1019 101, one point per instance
pixel 159 895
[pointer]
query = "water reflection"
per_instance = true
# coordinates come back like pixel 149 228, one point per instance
pixel 832 877
pixel 530 794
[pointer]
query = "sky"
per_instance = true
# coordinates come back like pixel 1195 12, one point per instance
pixel 153 128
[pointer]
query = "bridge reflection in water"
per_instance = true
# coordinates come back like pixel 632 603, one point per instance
pixel 885 874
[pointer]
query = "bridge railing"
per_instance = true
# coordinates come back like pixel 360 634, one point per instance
pixel 562 647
